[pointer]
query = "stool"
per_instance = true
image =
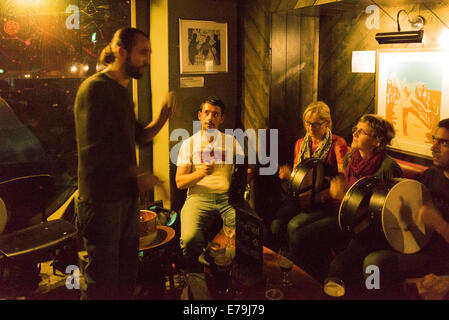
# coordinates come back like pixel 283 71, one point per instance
pixel 156 261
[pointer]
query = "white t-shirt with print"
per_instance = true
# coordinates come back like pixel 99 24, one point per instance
pixel 198 150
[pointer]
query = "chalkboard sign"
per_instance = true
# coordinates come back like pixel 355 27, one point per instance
pixel 248 242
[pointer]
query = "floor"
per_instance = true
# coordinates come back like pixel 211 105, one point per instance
pixel 52 286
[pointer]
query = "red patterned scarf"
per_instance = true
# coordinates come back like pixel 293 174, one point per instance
pixel 359 167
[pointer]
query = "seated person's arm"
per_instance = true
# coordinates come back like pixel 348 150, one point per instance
pixel 433 287
pixel 338 187
pixel 341 148
pixel 336 190
pixel 431 216
pixel 284 172
pixel 185 178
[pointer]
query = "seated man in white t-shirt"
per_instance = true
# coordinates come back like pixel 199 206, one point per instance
pixel 205 167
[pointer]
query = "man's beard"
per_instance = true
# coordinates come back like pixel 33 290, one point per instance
pixel 132 71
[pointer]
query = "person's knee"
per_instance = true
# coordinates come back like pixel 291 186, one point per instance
pixel 276 227
pixel 379 259
pixel 299 221
pixel 192 244
pixel 385 260
pixel 294 228
pixel 286 212
pixel 371 260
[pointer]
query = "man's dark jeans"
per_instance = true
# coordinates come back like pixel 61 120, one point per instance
pixel 111 234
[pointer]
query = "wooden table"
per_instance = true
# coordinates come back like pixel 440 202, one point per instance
pixel 304 286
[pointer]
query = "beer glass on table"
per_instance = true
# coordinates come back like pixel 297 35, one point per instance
pixel 286 265
pixel 334 287
pixel 229 232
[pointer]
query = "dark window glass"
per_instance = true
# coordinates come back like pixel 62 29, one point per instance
pixel 47 48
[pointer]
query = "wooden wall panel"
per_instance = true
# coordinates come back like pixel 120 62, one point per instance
pixel 293 74
pixel 224 85
pixel 291 57
pixel 350 95
pixel 255 23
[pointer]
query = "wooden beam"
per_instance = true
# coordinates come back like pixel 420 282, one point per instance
pixel 309 3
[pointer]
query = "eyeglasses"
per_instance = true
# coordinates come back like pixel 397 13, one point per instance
pixel 440 142
pixel 314 125
pixel 357 132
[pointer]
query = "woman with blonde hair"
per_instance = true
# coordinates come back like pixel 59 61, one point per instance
pixel 318 142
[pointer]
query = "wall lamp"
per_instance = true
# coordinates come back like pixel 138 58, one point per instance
pixel 414 36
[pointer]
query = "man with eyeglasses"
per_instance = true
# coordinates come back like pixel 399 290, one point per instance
pixel 436 179
pixel 435 214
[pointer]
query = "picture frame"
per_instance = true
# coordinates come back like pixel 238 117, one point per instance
pixel 203 46
pixel 412 91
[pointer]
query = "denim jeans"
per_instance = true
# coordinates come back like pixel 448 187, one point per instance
pixel 311 245
pixel 287 210
pixel 111 235
pixel 351 264
pixel 198 215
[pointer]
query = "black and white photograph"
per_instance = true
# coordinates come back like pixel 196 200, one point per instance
pixel 203 46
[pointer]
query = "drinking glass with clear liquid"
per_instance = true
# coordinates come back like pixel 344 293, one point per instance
pixel 286 265
pixel 229 233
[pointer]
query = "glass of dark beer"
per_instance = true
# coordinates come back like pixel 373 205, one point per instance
pixel 222 274
pixel 286 265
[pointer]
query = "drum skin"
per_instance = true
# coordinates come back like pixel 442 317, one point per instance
pixel 384 214
pixel 397 203
pixel 303 176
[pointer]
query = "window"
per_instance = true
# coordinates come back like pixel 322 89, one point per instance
pixel 47 48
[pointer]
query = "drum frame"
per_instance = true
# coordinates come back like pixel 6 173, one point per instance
pixel 303 169
pixel 368 194
pixel 356 202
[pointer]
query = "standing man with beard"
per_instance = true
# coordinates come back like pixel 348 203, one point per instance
pixel 106 132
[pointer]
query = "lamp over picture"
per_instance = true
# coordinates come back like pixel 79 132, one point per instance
pixel 414 36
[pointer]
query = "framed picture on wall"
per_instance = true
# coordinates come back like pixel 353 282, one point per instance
pixel 412 91
pixel 203 46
